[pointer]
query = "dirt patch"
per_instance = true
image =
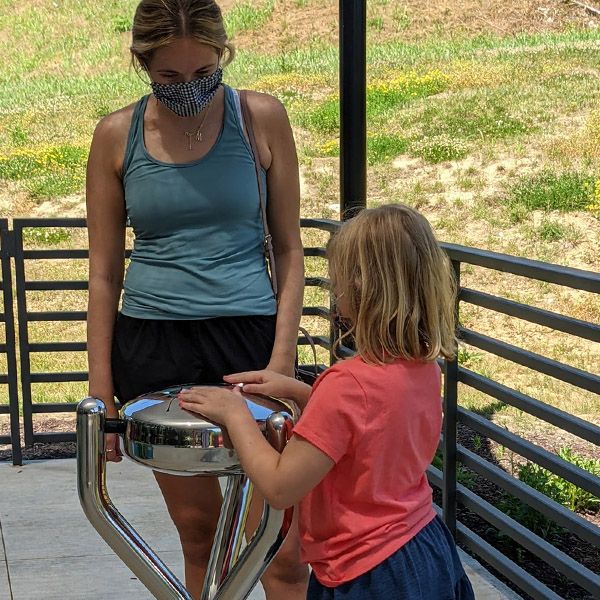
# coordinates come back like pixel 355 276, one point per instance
pixel 294 23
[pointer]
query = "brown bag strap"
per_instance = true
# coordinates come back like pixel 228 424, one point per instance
pixel 268 240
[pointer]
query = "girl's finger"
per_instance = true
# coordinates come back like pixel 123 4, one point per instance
pixel 253 388
pixel 245 377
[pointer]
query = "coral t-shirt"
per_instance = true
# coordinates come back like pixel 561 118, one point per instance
pixel 381 426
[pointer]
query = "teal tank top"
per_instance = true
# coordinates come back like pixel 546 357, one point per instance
pixel 198 249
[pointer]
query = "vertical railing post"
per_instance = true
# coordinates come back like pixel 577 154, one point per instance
pixel 7 250
pixel 23 333
pixel 449 428
pixel 353 107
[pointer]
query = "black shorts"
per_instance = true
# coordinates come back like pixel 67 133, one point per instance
pixel 149 354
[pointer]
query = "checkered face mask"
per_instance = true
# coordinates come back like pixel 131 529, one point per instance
pixel 188 98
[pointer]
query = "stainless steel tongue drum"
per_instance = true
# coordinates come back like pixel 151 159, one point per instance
pixel 155 432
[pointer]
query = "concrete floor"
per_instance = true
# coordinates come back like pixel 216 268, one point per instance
pixel 49 550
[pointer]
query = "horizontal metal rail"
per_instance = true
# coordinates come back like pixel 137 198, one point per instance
pixel 57 316
pixel 316 311
pixel 58 347
pixel 549 414
pixel 531 269
pixel 54 407
pixel 315 252
pixel 576 327
pixel 55 286
pixel 63 377
pixel 322 224
pixel 552 462
pixel 321 282
pixel 537 362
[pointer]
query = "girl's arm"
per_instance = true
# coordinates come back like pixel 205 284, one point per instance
pixel 278 156
pixel 106 231
pixel 283 479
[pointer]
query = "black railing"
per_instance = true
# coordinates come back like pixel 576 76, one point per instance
pixel 455 455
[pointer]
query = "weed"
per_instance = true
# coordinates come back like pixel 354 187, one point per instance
pixel 548 191
pixel 439 149
pixel 49 236
pixel 384 148
pixel 400 18
pixel 558 489
pixel 477 117
pixel 552 231
pixel 18 136
pixel 121 24
pixel 375 23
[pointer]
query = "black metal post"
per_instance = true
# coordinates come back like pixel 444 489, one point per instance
pixel 6 249
pixel 449 429
pixel 353 107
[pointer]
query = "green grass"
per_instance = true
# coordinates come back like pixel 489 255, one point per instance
pixel 549 191
pixel 247 16
pixel 384 148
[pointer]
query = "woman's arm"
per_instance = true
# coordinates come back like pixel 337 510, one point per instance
pixel 283 479
pixel 106 232
pixel 277 151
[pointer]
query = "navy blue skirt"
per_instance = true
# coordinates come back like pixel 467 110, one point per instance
pixel 425 568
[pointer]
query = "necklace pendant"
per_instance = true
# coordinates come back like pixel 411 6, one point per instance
pixel 189 137
pixel 198 136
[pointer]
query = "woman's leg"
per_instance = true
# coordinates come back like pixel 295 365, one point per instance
pixel 194 504
pixel 286 578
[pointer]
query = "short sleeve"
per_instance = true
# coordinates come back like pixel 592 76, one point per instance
pixel 334 417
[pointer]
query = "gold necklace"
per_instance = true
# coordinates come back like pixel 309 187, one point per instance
pixel 197 134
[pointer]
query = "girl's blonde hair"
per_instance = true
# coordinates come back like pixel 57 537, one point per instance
pixel 397 285
pixel 157 23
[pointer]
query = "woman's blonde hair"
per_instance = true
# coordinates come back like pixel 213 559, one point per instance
pixel 157 23
pixel 397 285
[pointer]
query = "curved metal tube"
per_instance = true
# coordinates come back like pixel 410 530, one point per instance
pixel 106 519
pixel 228 577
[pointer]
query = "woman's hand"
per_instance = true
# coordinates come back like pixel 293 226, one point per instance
pixel 112 448
pixel 273 384
pixel 217 404
pixel 282 366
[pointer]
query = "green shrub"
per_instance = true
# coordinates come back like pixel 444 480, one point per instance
pixel 555 487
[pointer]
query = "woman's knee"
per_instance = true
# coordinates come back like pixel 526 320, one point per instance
pixel 286 566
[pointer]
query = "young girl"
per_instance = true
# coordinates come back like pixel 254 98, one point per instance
pixel 370 425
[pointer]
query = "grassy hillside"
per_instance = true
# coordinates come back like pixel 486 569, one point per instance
pixel 486 119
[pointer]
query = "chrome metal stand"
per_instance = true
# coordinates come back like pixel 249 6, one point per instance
pixel 231 575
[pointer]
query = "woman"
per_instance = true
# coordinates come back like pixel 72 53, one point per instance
pixel 198 302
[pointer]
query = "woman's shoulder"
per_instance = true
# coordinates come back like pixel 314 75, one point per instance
pixel 265 108
pixel 114 127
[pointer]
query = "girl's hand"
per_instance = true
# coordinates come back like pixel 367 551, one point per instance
pixel 270 383
pixel 217 404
